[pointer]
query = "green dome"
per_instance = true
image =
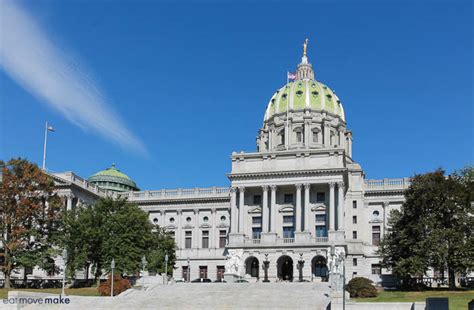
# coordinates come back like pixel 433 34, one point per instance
pixel 304 94
pixel 114 180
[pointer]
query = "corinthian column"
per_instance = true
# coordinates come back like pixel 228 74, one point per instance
pixel 307 211
pixel 340 206
pixel 265 217
pixel 298 217
pixel 273 208
pixel 332 209
pixel 241 210
pixel 233 210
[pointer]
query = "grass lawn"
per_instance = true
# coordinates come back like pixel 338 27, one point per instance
pixel 458 300
pixel 86 291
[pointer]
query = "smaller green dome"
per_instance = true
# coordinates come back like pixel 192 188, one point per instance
pixel 114 180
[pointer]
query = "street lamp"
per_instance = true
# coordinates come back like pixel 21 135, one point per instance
pixel 143 271
pixel 112 266
pixel 266 262
pixel 166 268
pixel 64 254
pixel 300 267
pixel 189 271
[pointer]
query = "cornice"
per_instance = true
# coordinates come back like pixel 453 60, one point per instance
pixel 288 173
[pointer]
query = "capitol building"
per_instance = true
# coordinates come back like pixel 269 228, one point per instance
pixel 293 203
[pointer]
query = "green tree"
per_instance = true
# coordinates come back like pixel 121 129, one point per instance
pixel 433 228
pixel 30 218
pixel 114 229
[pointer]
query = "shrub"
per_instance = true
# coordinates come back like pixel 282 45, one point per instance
pixel 120 285
pixel 361 287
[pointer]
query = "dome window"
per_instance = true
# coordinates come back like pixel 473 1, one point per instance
pixel 329 96
pixel 284 96
pixel 315 93
pixel 300 85
pixel 313 85
pixel 299 93
pixel 273 100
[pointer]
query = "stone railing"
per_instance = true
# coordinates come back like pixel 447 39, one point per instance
pixel 387 184
pixel 70 176
pixel 178 193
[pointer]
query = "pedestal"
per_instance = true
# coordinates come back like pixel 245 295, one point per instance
pixel 302 237
pixel 236 239
pixel 268 238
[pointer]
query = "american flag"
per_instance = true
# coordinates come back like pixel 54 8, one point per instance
pixel 291 76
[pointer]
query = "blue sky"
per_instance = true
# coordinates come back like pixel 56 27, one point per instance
pixel 174 88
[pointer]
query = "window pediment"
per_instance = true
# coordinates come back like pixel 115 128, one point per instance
pixel 255 209
pixel 318 207
pixel 287 208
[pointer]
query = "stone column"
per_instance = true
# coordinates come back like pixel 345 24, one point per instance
pixel 265 217
pixel 332 209
pixel 273 208
pixel 212 231
pixel 196 228
pixel 349 143
pixel 69 203
pixel 179 242
pixel 307 209
pixel 298 217
pixel 307 133
pixel 342 138
pixel 241 210
pixel 234 215
pixel 326 133
pixel 340 206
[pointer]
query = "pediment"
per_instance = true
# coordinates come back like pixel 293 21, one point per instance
pixel 205 225
pixel 222 225
pixel 255 210
pixel 286 209
pixel 318 207
pixel 171 227
pixel 188 226
pixel 375 220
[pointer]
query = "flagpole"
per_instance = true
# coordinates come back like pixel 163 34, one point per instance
pixel 45 142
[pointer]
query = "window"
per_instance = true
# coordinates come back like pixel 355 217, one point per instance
pixel 315 136
pixel 155 220
pixel 354 204
pixel 188 239
pixel 354 219
pixel 288 198
pixel 321 231
pixel 257 220
pixel 376 235
pixel 205 239
pixel 257 199
pixel 354 234
pixel 203 272
pixel 205 219
pixel 321 197
pixel 288 219
pixel 171 233
pixel 331 139
pixel 222 238
pixel 375 213
pixel 320 217
pixel 288 232
pixel 172 220
pixel 282 138
pixel 220 273
pixel 354 262
pixel 354 274
pixel 299 136
pixel 376 269
pixel 223 218
pixel 188 219
pixel 185 273
pixel 256 231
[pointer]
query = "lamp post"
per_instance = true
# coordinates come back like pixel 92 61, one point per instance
pixel 265 268
pixel 166 268
pixel 300 267
pixel 64 254
pixel 112 266
pixel 189 271
pixel 144 262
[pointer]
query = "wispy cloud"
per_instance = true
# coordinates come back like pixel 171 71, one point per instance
pixel 30 57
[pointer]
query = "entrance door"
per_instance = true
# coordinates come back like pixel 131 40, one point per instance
pixel 285 268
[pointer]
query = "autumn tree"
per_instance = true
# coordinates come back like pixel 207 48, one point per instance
pixel 433 228
pixel 30 218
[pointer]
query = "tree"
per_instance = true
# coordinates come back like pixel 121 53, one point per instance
pixel 114 229
pixel 30 218
pixel 433 228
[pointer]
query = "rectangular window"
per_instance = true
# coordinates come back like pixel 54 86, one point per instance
pixel 354 262
pixel 299 136
pixel 321 197
pixel 205 239
pixel 288 198
pixel 185 274
pixel 222 238
pixel 376 269
pixel 257 220
pixel 315 137
pixel 256 231
pixel 354 204
pixel 321 231
pixel 188 240
pixel 354 219
pixel 320 217
pixel 203 272
pixel 288 232
pixel 288 219
pixel 354 234
pixel 257 199
pixel 220 273
pixel 171 233
pixel 376 235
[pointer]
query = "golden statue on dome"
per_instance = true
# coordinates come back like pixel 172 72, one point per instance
pixel 305 46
